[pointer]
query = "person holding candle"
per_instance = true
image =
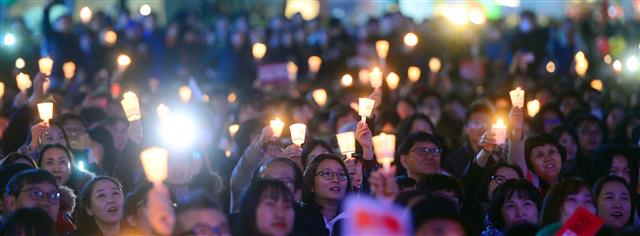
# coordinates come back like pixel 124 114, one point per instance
pixel 326 183
pixel 420 154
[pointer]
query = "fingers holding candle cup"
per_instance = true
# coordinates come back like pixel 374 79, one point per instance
pixel 298 131
pixel 365 107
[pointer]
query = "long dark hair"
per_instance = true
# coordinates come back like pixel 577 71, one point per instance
pixel 75 173
pixel 554 200
pixel 86 223
pixel 521 188
pixel 482 191
pixel 602 159
pixel 308 180
pixel 274 189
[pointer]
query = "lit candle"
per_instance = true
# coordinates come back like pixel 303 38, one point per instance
pixel 46 65
pixel 298 131
pixel 259 50
pixel 597 85
pixel 384 146
pixel 45 109
pixel 69 69
pixel 365 106
pixel 85 15
pixel 382 48
pixel 233 129
pixel 1 90
pixel 393 80
pixel 517 97
pixel 413 73
pixel 163 111
pixel 551 67
pixel 23 82
pixel 155 163
pixel 184 93
pixel 319 96
pixel 20 63
pixel 533 107
pixel 347 143
pixel 131 106
pixel 500 131
pixel 110 37
pixel 376 77
pixel 314 63
pixel 410 39
pixel 292 69
pixel 346 80
pixel 435 64
pixel 617 66
pixel 123 61
pixel 363 76
pixel 276 126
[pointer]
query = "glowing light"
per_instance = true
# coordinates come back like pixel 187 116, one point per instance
pixel 476 16
pixel 376 77
pixel 384 146
pixel 258 50
pixel 46 65
pixel 85 15
pixel 9 39
pixel 1 89
pixel 155 164
pixel 23 82
pixel 617 66
pixel 185 93
pixel 582 65
pixel 232 97
pixel 499 129
pixel 632 63
pixel 308 9
pixel 205 98
pixel 393 80
pixel 292 69
pixel 410 39
pixel 319 96
pixel 69 69
pixel 435 64
pixel 365 107
pixel 314 63
pixel 179 130
pixel 608 59
pixel 551 67
pixel 597 84
pixel 81 165
pixel 20 63
pixel 456 15
pixel 145 10
pixel 233 129
pixel 276 126
pixel 131 106
pixel 363 76
pixel 382 48
pixel 163 111
pixel 533 107
pixel 45 109
pixel 517 97
pixel 110 37
pixel 298 131
pixel 346 143
pixel 414 73
pixel 123 61
pixel 508 3
pixel 346 80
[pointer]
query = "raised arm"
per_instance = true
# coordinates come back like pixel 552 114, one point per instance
pixel 516 139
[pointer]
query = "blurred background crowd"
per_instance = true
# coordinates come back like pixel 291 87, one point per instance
pixel 224 69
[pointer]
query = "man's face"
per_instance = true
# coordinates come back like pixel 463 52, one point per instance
pixel 119 133
pixel 40 195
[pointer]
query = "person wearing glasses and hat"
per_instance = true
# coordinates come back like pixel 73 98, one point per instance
pixel 32 188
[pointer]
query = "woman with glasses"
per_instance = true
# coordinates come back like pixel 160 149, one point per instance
pixel 101 207
pixel 326 182
pixel 266 208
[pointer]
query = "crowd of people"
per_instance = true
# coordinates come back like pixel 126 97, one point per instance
pixel 80 173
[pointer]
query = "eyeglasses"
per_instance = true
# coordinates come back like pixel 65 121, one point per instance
pixel 477 124
pixel 53 197
pixel 427 151
pixel 329 175
pixel 202 229
pixel 499 179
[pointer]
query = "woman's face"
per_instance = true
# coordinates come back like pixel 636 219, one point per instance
pixel 54 135
pixel 274 215
pixel 620 168
pixel 333 187
pixel 546 161
pixel 106 202
pixel 566 140
pixel 589 135
pixel 574 201
pixel 56 161
pixel 502 175
pixel 614 205
pixel 404 110
pixel 421 125
pixel 517 210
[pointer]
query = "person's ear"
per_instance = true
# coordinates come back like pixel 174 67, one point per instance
pixel 404 160
pixel 9 203
pixel 89 211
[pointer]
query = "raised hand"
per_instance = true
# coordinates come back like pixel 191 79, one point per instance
pixel 383 184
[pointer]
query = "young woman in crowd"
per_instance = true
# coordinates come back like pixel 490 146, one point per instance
pixel 614 202
pixel 575 165
pixel 563 199
pixel 101 207
pixel 43 134
pixel 513 203
pixel 266 208
pixel 326 183
pixel 58 160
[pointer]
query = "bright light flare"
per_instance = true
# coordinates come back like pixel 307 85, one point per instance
pixel 410 39
pixel 617 66
pixel 85 15
pixel 551 67
pixel 258 50
pixel 435 64
pixel 179 130
pixel 346 80
pixel 476 16
pixel 632 63
pixel 9 39
pixel 145 10
pixel 20 63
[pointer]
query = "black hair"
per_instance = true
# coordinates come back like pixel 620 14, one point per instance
pixel 51 146
pixel 602 159
pixel 297 179
pixel 32 176
pixel 308 147
pixel 14 156
pixel 135 197
pixel 541 140
pixel 597 189
pixel 28 221
pixel 86 223
pixel 538 120
pixel 435 207
pixel 92 116
pixel 416 137
pixel 510 188
pixel 103 136
pixel 581 118
pixel 560 130
pixel 243 136
pixel 66 117
pixel 274 189
pixel 198 199
pixel 523 229
pixel 437 182
pixel 308 180
pixel 554 200
pixel 405 182
pixel 6 173
pixel 482 190
pixel 66 139
pixel 479 106
pixel 337 113
pixel 404 128
pixel 407 197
